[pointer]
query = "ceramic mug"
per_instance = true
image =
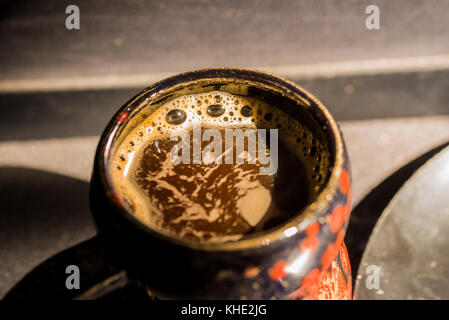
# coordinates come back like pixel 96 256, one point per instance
pixel 302 258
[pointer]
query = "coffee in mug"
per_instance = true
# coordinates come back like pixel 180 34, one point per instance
pixel 264 168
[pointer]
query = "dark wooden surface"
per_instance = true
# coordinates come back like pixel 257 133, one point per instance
pixel 35 115
pixel 143 36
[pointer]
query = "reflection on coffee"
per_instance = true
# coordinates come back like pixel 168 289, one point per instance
pixel 216 201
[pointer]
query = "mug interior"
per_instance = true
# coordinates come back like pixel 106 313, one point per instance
pixel 320 141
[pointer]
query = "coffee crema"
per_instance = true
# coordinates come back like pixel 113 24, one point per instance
pixel 212 202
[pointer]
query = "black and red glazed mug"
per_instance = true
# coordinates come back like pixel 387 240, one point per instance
pixel 302 258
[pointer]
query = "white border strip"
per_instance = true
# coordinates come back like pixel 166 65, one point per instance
pixel 294 72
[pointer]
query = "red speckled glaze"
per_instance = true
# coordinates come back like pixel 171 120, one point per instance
pixel 333 280
pixel 336 282
pixel 122 117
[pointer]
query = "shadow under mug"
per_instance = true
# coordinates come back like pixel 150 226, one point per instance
pixel 302 258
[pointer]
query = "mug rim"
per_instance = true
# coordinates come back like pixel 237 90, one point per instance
pixel 296 224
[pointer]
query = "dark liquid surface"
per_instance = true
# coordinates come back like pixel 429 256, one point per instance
pixel 215 202
pixel 210 202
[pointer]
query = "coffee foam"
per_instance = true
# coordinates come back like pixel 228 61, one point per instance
pixel 195 106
